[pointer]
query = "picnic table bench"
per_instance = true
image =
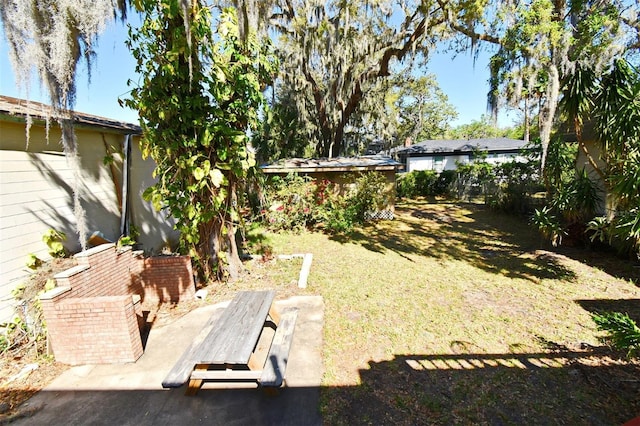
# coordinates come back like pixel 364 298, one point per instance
pixel 225 348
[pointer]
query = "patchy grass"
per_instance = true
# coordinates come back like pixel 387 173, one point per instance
pixel 457 314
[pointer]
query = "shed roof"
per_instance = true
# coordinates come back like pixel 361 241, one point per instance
pixel 339 164
pixel 15 109
pixel 462 146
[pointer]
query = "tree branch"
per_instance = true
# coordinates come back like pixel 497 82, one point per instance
pixel 469 32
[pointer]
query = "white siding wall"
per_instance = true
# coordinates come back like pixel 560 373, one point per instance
pixel 419 163
pixel 449 162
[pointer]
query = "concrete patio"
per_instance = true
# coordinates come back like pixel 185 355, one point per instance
pixel 131 393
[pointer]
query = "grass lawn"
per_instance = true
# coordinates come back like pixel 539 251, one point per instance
pixel 454 314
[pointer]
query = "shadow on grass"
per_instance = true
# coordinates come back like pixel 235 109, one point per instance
pixel 606 260
pixel 630 307
pixel 489 240
pixel 566 387
pixel 563 387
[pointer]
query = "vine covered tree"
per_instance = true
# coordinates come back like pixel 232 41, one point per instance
pixel 198 98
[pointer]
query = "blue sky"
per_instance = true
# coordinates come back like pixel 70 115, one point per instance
pixel 465 84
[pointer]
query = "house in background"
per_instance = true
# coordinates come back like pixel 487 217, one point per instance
pixel 36 188
pixel 337 170
pixel 439 155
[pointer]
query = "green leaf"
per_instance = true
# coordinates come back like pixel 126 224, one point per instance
pixel 148 193
pixel 217 178
pixel 198 173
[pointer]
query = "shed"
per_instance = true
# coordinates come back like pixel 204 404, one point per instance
pixel 338 169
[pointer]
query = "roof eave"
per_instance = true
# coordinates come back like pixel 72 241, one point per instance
pixel 280 170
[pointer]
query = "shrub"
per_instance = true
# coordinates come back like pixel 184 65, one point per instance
pixel 515 185
pixel 471 179
pixel 425 182
pixel 442 185
pixel 295 203
pixel 622 332
pixel 406 185
pixel 548 225
pixel 370 194
pixel 416 183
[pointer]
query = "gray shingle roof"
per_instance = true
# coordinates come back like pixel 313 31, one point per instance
pixel 19 109
pixel 305 165
pixel 462 146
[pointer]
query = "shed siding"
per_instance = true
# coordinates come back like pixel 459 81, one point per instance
pixel 156 228
pixel 36 195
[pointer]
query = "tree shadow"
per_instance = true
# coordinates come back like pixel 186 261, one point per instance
pixel 100 216
pixel 630 307
pixel 492 241
pixel 559 387
pixel 568 387
pixel 605 259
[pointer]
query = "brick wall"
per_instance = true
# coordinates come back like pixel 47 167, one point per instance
pixel 94 314
pixel 166 279
pixel 93 330
pixel 111 272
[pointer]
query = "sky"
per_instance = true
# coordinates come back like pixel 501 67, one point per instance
pixel 464 83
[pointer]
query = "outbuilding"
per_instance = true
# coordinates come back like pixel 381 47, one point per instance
pixel 341 171
pixel 439 155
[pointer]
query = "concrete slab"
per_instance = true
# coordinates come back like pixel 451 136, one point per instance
pixel 128 394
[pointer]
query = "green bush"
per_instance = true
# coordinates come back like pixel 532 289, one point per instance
pixel 442 185
pixel 516 184
pixel 406 185
pixel 416 183
pixel 370 194
pixel 622 332
pixel 294 203
pixel 425 182
pixel 548 225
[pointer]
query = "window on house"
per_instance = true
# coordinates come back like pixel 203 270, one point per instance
pixel 438 162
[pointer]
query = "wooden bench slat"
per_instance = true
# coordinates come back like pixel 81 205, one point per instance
pixel 278 356
pixel 182 369
pixel 233 339
pixel 225 375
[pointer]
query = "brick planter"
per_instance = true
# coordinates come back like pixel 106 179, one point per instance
pixel 94 316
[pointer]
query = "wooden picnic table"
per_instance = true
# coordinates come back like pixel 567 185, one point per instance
pixel 225 348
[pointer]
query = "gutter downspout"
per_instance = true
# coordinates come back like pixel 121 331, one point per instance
pixel 126 165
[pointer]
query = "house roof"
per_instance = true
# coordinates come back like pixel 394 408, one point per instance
pixel 339 164
pixel 462 146
pixel 14 109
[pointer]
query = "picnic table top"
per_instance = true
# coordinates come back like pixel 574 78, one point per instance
pixel 237 331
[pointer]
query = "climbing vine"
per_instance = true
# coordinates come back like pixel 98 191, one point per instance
pixel 200 94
